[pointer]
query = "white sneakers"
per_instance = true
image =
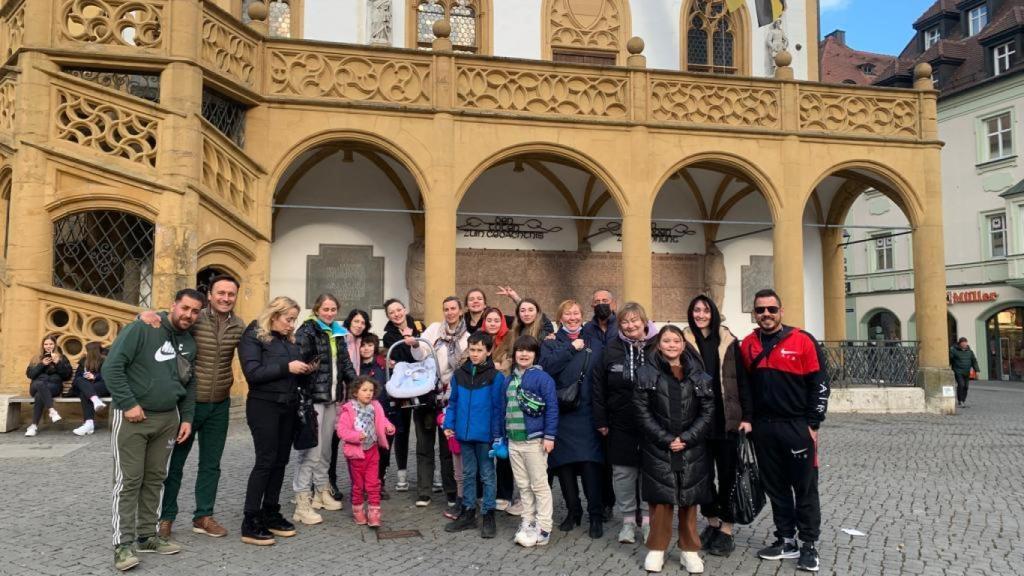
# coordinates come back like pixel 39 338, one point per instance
pixel 97 403
pixel 515 508
pixel 86 428
pixel 691 562
pixel 527 534
pixel 627 535
pixel 403 481
pixel 54 416
pixel 32 430
pixel 654 561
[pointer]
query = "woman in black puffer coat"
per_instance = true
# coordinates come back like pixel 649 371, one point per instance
pixel 675 407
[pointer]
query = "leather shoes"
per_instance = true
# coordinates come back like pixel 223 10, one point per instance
pixel 207 525
pixel 570 522
pixel 163 529
pixel 596 528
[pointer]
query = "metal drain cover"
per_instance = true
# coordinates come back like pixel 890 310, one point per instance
pixel 396 534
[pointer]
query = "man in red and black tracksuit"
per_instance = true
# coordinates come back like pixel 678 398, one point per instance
pixel 787 393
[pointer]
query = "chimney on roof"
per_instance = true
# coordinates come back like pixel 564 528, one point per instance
pixel 838 35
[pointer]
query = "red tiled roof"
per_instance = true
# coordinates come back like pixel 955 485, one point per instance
pixel 939 6
pixel 1009 19
pixel 841 64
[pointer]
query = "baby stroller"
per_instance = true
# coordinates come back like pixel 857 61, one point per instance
pixel 412 380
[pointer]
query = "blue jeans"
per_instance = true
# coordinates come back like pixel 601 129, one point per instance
pixel 475 461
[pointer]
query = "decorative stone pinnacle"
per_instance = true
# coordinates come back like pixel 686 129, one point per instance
pixel 635 45
pixel 923 71
pixel 257 10
pixel 442 28
pixel 783 58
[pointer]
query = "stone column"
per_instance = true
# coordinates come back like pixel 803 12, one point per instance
pixel 834 283
pixel 439 254
pixel 636 257
pixel 788 240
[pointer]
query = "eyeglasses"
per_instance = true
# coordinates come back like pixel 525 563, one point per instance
pixel 768 309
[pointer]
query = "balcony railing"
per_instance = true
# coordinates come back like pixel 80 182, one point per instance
pixel 878 363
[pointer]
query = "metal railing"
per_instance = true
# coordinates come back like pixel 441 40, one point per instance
pixel 871 362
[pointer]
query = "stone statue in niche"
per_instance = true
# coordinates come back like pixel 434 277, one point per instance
pixel 380 22
pixel 776 41
pixel 714 275
pixel 416 277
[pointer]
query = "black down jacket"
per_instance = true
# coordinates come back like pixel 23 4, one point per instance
pixel 666 409
pixel 265 365
pixel 315 343
pixel 614 379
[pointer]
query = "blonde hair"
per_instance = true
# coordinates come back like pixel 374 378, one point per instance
pixel 630 309
pixel 564 307
pixel 275 308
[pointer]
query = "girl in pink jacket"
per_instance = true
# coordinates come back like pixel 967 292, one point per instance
pixel 362 426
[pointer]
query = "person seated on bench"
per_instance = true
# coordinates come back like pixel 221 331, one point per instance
pixel 47 371
pixel 89 386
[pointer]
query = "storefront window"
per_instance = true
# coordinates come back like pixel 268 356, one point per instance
pixel 1005 344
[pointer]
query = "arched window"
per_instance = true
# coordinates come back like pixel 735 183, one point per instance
pixel 5 210
pixel 105 253
pixel 714 39
pixel 468 18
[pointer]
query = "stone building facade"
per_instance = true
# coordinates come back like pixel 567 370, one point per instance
pixel 145 145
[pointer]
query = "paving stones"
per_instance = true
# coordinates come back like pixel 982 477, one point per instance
pixel 934 495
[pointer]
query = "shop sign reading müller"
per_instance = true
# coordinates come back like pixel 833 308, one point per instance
pixel 506 227
pixel 970 297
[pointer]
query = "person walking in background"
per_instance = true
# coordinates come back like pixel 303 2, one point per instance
pixel 47 372
pixel 272 364
pixel 217 331
pixel 675 409
pixel 719 353
pixel 963 362
pixel 150 374
pixel 615 378
pixel 88 384
pixel 322 342
pixel 788 395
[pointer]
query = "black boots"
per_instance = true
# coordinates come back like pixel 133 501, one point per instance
pixel 596 528
pixel 488 528
pixel 465 521
pixel 275 523
pixel 254 532
pixel 570 522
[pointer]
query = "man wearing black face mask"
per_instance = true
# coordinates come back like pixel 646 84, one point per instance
pixel 597 333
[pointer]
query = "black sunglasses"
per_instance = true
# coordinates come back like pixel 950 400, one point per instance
pixel 768 309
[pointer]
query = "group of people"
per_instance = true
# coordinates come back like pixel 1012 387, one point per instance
pixel 47 372
pixel 643 419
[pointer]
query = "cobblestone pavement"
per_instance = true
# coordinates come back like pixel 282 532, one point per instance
pixel 935 495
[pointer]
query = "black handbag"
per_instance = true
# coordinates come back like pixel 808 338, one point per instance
pixel 307 431
pixel 569 395
pixel 747 497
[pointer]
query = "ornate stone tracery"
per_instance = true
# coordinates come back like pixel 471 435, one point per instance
pixel 710 103
pixel 541 92
pixel 835 111
pixel 127 23
pixel 367 78
pixel 586 25
pixel 106 127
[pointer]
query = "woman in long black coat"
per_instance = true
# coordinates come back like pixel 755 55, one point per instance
pixel 568 358
pixel 675 406
pixel 614 380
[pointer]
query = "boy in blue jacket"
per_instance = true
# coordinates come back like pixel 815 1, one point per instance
pixel 529 420
pixel 472 418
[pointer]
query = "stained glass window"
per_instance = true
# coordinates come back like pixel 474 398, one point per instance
pixel 463 19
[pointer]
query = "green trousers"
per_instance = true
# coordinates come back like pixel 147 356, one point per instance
pixel 210 425
pixel 141 451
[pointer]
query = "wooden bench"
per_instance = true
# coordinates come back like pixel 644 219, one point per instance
pixel 10 416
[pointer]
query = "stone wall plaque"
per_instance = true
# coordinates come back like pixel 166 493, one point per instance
pixel 757 275
pixel 352 273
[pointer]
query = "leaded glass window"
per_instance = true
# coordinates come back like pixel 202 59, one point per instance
pixel 428 13
pixel 226 115
pixel 711 38
pixel 279 19
pixel 5 210
pixel 140 85
pixel 463 17
pixel 105 253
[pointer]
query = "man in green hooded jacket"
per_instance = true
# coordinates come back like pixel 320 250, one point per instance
pixel 962 361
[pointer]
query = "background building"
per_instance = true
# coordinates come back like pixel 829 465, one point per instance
pixel 526 143
pixel 973 48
